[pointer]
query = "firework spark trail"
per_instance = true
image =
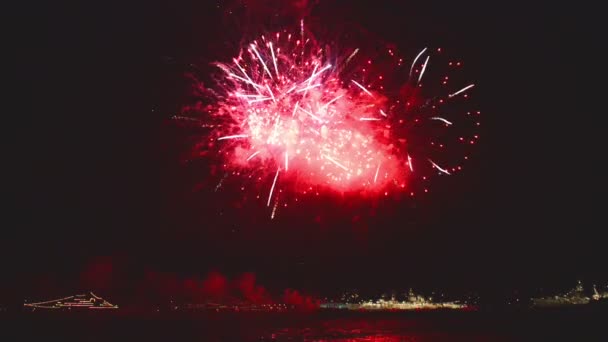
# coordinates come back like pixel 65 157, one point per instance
pixel 291 89
pixel 236 136
pixel 311 114
pixel 350 57
pixel 335 162
pixel 245 73
pixel 274 182
pixel 295 108
pixel 309 80
pixel 261 100
pixel 462 90
pixel 376 176
pixel 274 60
pixel 219 184
pixel 441 119
pixel 274 209
pixel 423 68
pixel 369 119
pixel 271 94
pixel 244 80
pixel 248 95
pixel 362 87
pixel 439 168
pixel 261 60
pixel 308 87
pixel 409 163
pixel 415 59
pixel 332 101
pixel 302 33
pixel 383 113
pixel 253 155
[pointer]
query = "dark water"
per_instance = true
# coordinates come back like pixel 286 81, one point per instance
pixel 453 326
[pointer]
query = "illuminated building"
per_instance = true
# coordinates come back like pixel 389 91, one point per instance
pixel 413 302
pixel 87 301
pixel 599 295
pixel 576 296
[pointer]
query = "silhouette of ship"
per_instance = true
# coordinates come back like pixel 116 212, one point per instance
pixel 88 301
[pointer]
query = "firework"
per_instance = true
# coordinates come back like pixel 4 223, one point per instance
pixel 297 115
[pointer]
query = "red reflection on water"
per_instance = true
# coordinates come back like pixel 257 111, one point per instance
pixel 378 327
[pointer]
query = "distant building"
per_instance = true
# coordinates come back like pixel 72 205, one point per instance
pixel 88 301
pixel 412 302
pixel 576 296
pixel 599 296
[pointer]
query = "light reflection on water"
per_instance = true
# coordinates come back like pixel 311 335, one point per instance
pixel 381 330
pixel 532 325
pixel 373 338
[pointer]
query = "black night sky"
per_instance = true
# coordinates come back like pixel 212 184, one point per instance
pixel 94 169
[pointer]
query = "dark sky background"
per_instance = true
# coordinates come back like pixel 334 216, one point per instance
pixel 94 166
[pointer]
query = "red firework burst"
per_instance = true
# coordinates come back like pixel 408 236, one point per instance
pixel 289 109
